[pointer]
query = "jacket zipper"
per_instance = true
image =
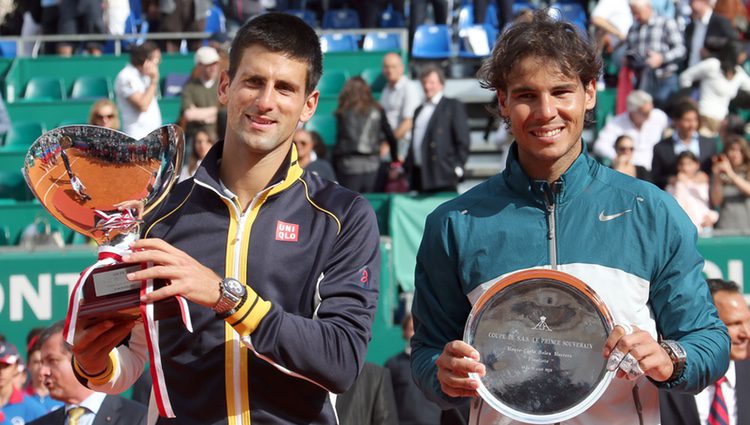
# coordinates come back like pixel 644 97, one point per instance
pixel 550 200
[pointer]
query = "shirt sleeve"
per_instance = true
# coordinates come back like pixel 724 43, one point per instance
pixel 328 349
pixel 440 308
pixel 682 305
pixel 605 141
pixel 411 101
pixel 676 50
pixel 695 73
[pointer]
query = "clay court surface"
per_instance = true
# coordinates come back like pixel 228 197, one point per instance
pixel 106 183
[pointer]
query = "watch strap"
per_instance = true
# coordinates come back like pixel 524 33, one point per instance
pixel 678 356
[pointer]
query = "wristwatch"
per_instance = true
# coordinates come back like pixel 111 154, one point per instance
pixel 677 355
pixel 232 293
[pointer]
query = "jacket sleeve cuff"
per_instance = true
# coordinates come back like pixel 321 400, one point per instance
pixel 247 318
pixel 101 378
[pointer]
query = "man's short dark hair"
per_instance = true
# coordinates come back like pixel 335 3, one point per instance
pixel 54 329
pixel 682 106
pixel 139 54
pixel 430 69
pixel 280 33
pixel 716 285
pixel 555 41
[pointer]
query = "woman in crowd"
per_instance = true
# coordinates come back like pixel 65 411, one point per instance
pixel 307 142
pixel 361 127
pixel 730 187
pixel 104 114
pixel 202 141
pixel 690 189
pixel 623 161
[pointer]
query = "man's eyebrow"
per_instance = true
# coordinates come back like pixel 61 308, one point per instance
pixel 564 86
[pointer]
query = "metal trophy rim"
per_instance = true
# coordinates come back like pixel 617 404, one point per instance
pixel 517 278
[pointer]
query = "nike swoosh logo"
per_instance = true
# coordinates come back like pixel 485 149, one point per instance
pixel 604 217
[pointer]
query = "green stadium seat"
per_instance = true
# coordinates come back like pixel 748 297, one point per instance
pixel 22 134
pixel 13 186
pixel 5 236
pixel 325 125
pixel 91 87
pixel 332 81
pixel 44 89
pixel 374 78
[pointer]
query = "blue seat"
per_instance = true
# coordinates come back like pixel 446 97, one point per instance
pixel 432 42
pixel 8 49
pixel 465 51
pixel 332 81
pixel 338 43
pixel 520 6
pixel 391 18
pixel 304 14
pixel 340 19
pixel 572 12
pixel 466 16
pixel 44 89
pixel 216 22
pixel 377 40
pixel 173 84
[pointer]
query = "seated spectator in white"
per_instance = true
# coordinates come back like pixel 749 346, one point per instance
pixel 306 142
pixel 720 79
pixel 135 90
pixel 201 142
pixel 685 137
pixel 690 188
pixel 643 123
pixel 730 186
pixel 623 161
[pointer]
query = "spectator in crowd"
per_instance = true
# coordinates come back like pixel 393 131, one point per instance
pixel 306 141
pixel 36 388
pixel 50 16
pixel 183 16
pixel 642 122
pixel 289 323
pixel 685 137
pixel 82 405
pixel 80 17
pixel 545 205
pixel 730 186
pixel 200 141
pixel 16 408
pixel 400 98
pixel 361 127
pixel 734 11
pixel 726 401
pixel 690 188
pixel 654 50
pixel 115 14
pixel 135 90
pixel 611 20
pixel 720 78
pixel 413 407
pixel 200 99
pixel 237 12
pixel 623 161
pixel 370 400
pixel 440 138
pixel 707 33
pixel 104 114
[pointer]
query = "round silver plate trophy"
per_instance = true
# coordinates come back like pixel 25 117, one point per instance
pixel 540 335
pixel 101 183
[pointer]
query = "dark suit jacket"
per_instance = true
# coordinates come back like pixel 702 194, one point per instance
pixel 445 146
pixel 370 400
pixel 115 410
pixel 664 163
pixel 679 408
pixel 718 33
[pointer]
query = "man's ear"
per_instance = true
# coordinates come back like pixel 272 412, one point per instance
pixel 502 106
pixel 311 104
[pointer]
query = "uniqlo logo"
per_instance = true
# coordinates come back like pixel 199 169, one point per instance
pixel 287 232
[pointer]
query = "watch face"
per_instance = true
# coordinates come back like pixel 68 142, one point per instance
pixel 234 286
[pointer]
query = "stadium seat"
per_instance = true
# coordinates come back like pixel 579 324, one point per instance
pixel 432 42
pixel 572 12
pixel 520 6
pixel 338 43
pixel 332 81
pixel 8 49
pixel 325 125
pixel 216 22
pixel 173 84
pixel 378 40
pixel 91 87
pixel 466 50
pixel 391 18
pixel 340 19
pixel 44 89
pixel 374 78
pixel 5 236
pixel 13 186
pixel 22 134
pixel 304 14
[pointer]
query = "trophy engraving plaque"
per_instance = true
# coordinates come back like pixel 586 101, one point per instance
pixel 540 335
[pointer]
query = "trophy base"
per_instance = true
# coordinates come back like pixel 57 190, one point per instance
pixel 109 295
